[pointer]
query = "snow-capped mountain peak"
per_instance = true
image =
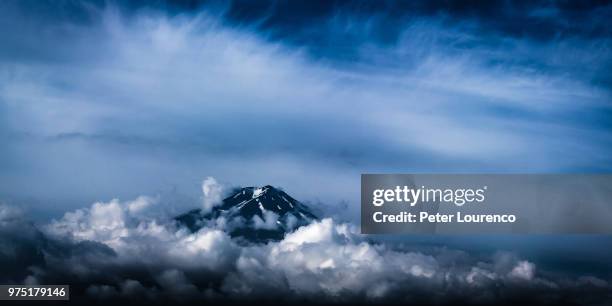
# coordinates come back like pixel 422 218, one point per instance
pixel 254 213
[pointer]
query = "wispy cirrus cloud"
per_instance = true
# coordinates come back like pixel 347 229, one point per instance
pixel 122 101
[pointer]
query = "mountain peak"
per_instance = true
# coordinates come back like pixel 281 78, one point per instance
pixel 254 213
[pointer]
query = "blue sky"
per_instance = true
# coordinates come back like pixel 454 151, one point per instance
pixel 102 99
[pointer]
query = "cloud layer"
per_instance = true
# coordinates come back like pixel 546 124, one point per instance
pixel 128 250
